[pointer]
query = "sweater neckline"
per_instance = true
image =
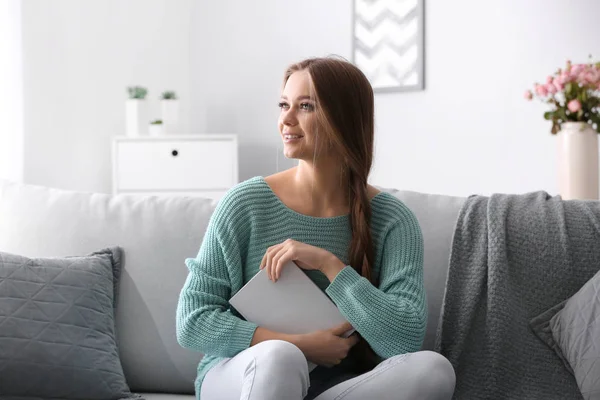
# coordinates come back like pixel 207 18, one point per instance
pixel 337 218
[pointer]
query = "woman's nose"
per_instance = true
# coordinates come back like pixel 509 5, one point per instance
pixel 289 117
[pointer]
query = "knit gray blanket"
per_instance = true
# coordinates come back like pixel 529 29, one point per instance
pixel 512 258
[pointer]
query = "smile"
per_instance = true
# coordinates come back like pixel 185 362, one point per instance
pixel 289 138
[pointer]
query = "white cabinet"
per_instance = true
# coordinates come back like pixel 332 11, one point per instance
pixel 199 165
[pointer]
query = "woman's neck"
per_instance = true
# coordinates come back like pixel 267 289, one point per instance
pixel 324 185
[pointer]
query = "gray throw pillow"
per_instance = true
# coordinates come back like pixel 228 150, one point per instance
pixel 572 330
pixel 57 329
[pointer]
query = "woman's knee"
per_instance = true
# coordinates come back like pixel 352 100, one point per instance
pixel 280 355
pixel 436 374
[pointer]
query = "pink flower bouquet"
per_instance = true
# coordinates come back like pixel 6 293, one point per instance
pixel 574 94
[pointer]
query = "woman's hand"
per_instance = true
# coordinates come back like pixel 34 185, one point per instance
pixel 328 347
pixel 306 257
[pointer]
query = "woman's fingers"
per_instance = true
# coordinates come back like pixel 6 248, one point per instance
pixel 273 257
pixel 339 330
pixel 282 260
pixel 263 262
pixel 353 339
pixel 270 264
pixel 276 257
pixel 267 261
pixel 273 265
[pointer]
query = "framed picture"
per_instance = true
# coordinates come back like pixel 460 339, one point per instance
pixel 388 41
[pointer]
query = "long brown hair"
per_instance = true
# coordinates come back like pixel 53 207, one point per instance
pixel 345 112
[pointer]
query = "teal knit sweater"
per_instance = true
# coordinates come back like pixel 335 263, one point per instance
pixel 250 218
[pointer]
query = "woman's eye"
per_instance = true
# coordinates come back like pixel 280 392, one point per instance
pixel 306 106
pixel 283 105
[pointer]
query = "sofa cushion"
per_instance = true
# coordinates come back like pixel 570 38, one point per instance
pixel 156 235
pixel 437 215
pixel 572 330
pixel 57 328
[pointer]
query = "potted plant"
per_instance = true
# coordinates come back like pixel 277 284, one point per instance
pixel 170 112
pixel 136 111
pixel 155 128
pixel 573 94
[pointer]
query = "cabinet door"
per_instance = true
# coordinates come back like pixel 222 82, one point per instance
pixel 175 165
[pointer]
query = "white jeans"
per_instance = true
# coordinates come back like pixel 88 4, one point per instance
pixel 278 370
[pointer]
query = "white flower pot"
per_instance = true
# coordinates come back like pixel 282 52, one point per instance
pixel 136 117
pixel 155 129
pixel 577 161
pixel 170 116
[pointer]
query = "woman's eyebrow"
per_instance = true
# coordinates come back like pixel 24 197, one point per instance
pixel 303 97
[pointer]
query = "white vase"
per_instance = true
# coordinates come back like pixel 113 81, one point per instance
pixel 136 117
pixel 170 116
pixel 155 129
pixel 577 161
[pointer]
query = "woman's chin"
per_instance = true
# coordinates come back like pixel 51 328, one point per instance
pixel 291 153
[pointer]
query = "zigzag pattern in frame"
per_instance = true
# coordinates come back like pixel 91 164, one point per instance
pixel 386 41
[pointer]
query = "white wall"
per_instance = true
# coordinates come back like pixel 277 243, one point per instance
pixel 240 52
pixel 79 57
pixel 11 91
pixel 470 131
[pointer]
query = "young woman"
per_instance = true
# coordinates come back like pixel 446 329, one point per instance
pixel 363 247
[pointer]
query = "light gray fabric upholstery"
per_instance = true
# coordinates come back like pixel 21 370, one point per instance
pixel 162 396
pixel 437 215
pixel 156 235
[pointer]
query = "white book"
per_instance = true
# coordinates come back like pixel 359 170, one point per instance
pixel 292 305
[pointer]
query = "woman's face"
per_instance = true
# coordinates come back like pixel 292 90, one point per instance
pixel 297 119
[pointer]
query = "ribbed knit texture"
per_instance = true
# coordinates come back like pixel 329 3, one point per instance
pixel 250 218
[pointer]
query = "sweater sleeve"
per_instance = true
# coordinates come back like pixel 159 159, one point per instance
pixel 204 320
pixel 392 317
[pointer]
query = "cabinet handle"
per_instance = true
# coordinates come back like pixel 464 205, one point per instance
pixel 174 153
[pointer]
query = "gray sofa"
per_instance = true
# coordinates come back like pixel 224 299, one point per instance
pixel 157 234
